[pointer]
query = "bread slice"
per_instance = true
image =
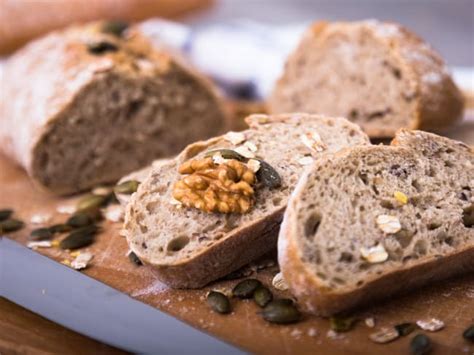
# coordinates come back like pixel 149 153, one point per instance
pixel 187 247
pixel 85 106
pixel 413 202
pixel 378 75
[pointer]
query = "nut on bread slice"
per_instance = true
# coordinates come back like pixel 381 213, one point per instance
pixel 368 222
pixel 377 74
pixel 188 247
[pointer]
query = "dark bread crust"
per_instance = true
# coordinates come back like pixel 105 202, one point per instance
pixel 316 297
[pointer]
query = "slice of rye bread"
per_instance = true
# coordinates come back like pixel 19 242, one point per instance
pixel 189 248
pixel 335 211
pixel 81 107
pixel 378 75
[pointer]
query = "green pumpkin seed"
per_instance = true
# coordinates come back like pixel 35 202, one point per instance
pixel 420 345
pixel 5 214
pixel 226 154
pixel 79 238
pixel 340 325
pixel 268 176
pixel 246 288
pixel 10 225
pixel 41 234
pixel 405 328
pixel 135 259
pixel 60 228
pixel 469 334
pixel 89 202
pixel 116 28
pixel 127 187
pixel 79 219
pixel 218 302
pixel 262 296
pixel 101 47
pixel 281 311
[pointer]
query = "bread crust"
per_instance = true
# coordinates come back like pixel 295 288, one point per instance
pixel 439 102
pixel 43 81
pixel 318 299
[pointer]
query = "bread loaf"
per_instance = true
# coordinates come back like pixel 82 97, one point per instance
pixel 368 222
pixel 89 104
pixel 188 247
pixel 378 75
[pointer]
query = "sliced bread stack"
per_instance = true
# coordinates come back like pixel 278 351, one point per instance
pixel 378 75
pixel 371 221
pixel 188 247
pixel 91 103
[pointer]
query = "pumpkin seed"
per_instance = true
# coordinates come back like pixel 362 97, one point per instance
pixel 127 187
pixel 218 302
pixel 10 225
pixel 79 219
pixel 420 345
pixel 384 335
pixel 281 311
pixel 268 176
pixel 90 202
pixel 135 259
pixel 226 154
pixel 101 47
pixel 60 228
pixel 246 288
pixel 5 214
pixel 116 28
pixel 469 334
pixel 41 234
pixel 262 296
pixel 405 328
pixel 79 238
pixel 340 325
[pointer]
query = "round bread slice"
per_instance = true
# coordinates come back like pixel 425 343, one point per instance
pixel 87 105
pixel 378 75
pixel 188 247
pixel 368 222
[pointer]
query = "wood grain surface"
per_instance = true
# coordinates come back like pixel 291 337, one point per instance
pixel 451 301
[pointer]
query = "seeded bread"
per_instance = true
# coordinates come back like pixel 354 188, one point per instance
pixel 378 75
pixel 82 107
pixel 189 248
pixel 368 222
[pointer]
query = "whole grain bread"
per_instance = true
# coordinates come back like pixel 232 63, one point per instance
pixel 85 106
pixel 189 248
pixel 368 222
pixel 377 74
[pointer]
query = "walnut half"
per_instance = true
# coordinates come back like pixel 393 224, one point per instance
pixel 211 187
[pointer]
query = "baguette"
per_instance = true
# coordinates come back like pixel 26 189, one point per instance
pixel 188 247
pixel 369 222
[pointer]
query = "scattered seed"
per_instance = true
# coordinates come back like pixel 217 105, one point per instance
pixel 262 296
pixel 405 328
pixel 388 224
pixel 40 218
pixel 384 335
pixel 376 254
pixel 235 137
pixel 90 202
pixel 279 283
pixel 246 288
pixel 254 165
pixel 420 344
pixel 10 225
pixel 370 322
pixel 134 258
pixel 218 302
pixel 431 325
pixel 341 325
pixel 79 219
pixel 39 244
pixel 245 152
pixel 60 228
pixel 400 197
pixel 268 176
pixel 79 238
pixel 41 234
pixel 251 146
pixel 469 334
pixel 116 28
pixel 226 154
pixel 81 261
pixel 5 214
pixel 101 47
pixel 127 187
pixel 282 311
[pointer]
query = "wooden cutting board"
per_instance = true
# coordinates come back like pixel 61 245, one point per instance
pixel 451 301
